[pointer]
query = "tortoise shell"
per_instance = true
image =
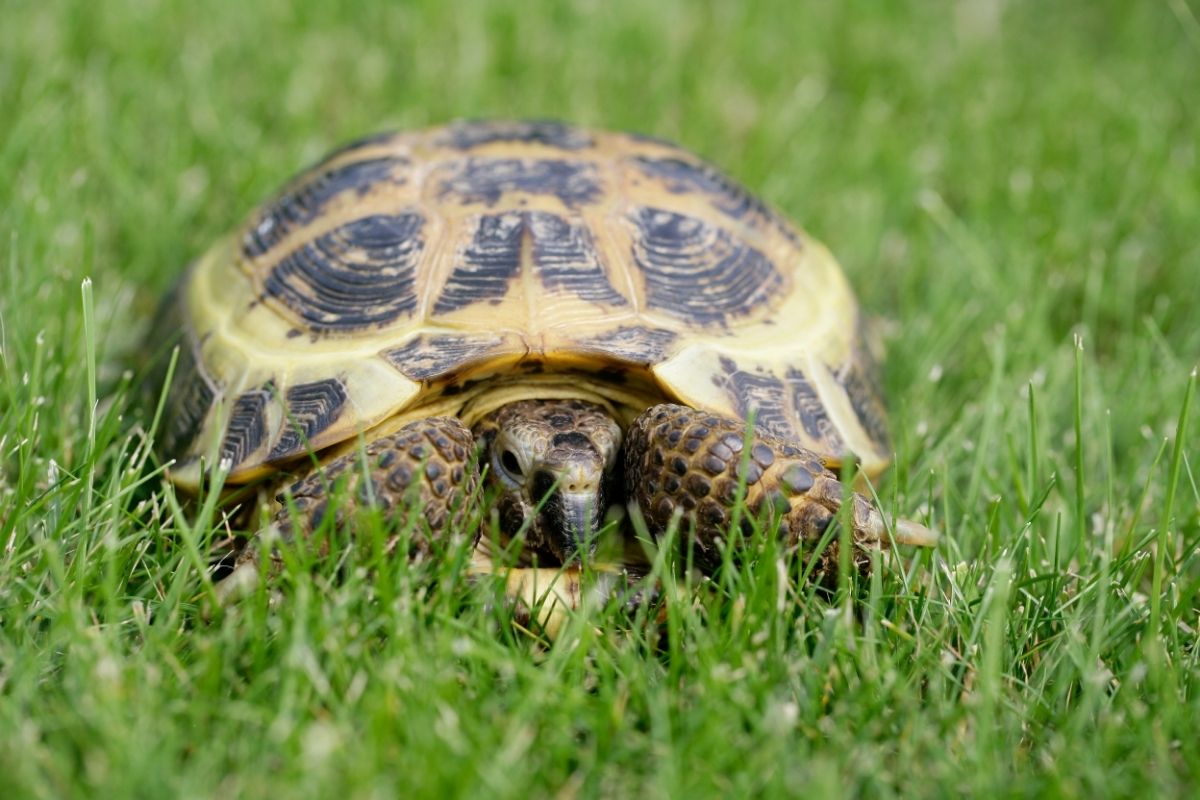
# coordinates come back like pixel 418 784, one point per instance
pixel 450 270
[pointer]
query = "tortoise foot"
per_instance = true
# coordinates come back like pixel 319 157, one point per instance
pixel 680 460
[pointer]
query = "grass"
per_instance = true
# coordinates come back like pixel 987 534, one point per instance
pixel 1012 188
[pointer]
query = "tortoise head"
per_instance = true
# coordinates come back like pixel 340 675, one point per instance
pixel 551 463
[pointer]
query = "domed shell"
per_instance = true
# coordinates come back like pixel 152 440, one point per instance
pixel 441 270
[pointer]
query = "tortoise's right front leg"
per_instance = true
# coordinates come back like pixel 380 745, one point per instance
pixel 426 468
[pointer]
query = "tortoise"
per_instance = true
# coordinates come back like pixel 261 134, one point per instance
pixel 571 319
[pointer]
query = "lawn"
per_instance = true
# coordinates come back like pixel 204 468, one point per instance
pixel 1013 189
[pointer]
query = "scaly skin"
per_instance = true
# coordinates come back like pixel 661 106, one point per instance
pixel 439 445
pixel 681 459
pixel 429 462
pixel 676 459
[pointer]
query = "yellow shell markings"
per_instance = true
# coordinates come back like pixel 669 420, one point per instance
pixel 805 326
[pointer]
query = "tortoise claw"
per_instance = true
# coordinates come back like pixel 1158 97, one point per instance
pixel 903 531
pixel 869 524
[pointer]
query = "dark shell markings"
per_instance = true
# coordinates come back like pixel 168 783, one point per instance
pixel 247 427
pixel 486 180
pixel 565 258
pixel 311 408
pixel 765 397
pixel 409 268
pixel 680 175
pixel 487 265
pixel 471 135
pixel 633 344
pixel 562 254
pixel 436 357
pixel 190 397
pixel 355 276
pixel 812 414
pixel 699 272
pixel 303 203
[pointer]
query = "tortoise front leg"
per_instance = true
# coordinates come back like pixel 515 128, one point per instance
pixel 678 458
pixel 426 468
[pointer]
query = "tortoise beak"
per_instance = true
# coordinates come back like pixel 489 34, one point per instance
pixel 575 519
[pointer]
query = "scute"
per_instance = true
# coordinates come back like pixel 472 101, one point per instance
pixel 488 263
pixel 355 276
pixel 247 428
pixel 680 175
pixel 446 270
pixel 634 343
pixel 434 357
pixel 473 134
pixel 486 180
pixel 566 259
pixel 312 409
pixel 304 202
pixel 697 271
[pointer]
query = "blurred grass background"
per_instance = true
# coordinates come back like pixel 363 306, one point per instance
pixel 999 179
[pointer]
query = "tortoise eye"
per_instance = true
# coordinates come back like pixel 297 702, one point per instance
pixel 508 459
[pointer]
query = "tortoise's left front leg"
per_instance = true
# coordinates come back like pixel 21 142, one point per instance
pixel 427 468
pixel 678 458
